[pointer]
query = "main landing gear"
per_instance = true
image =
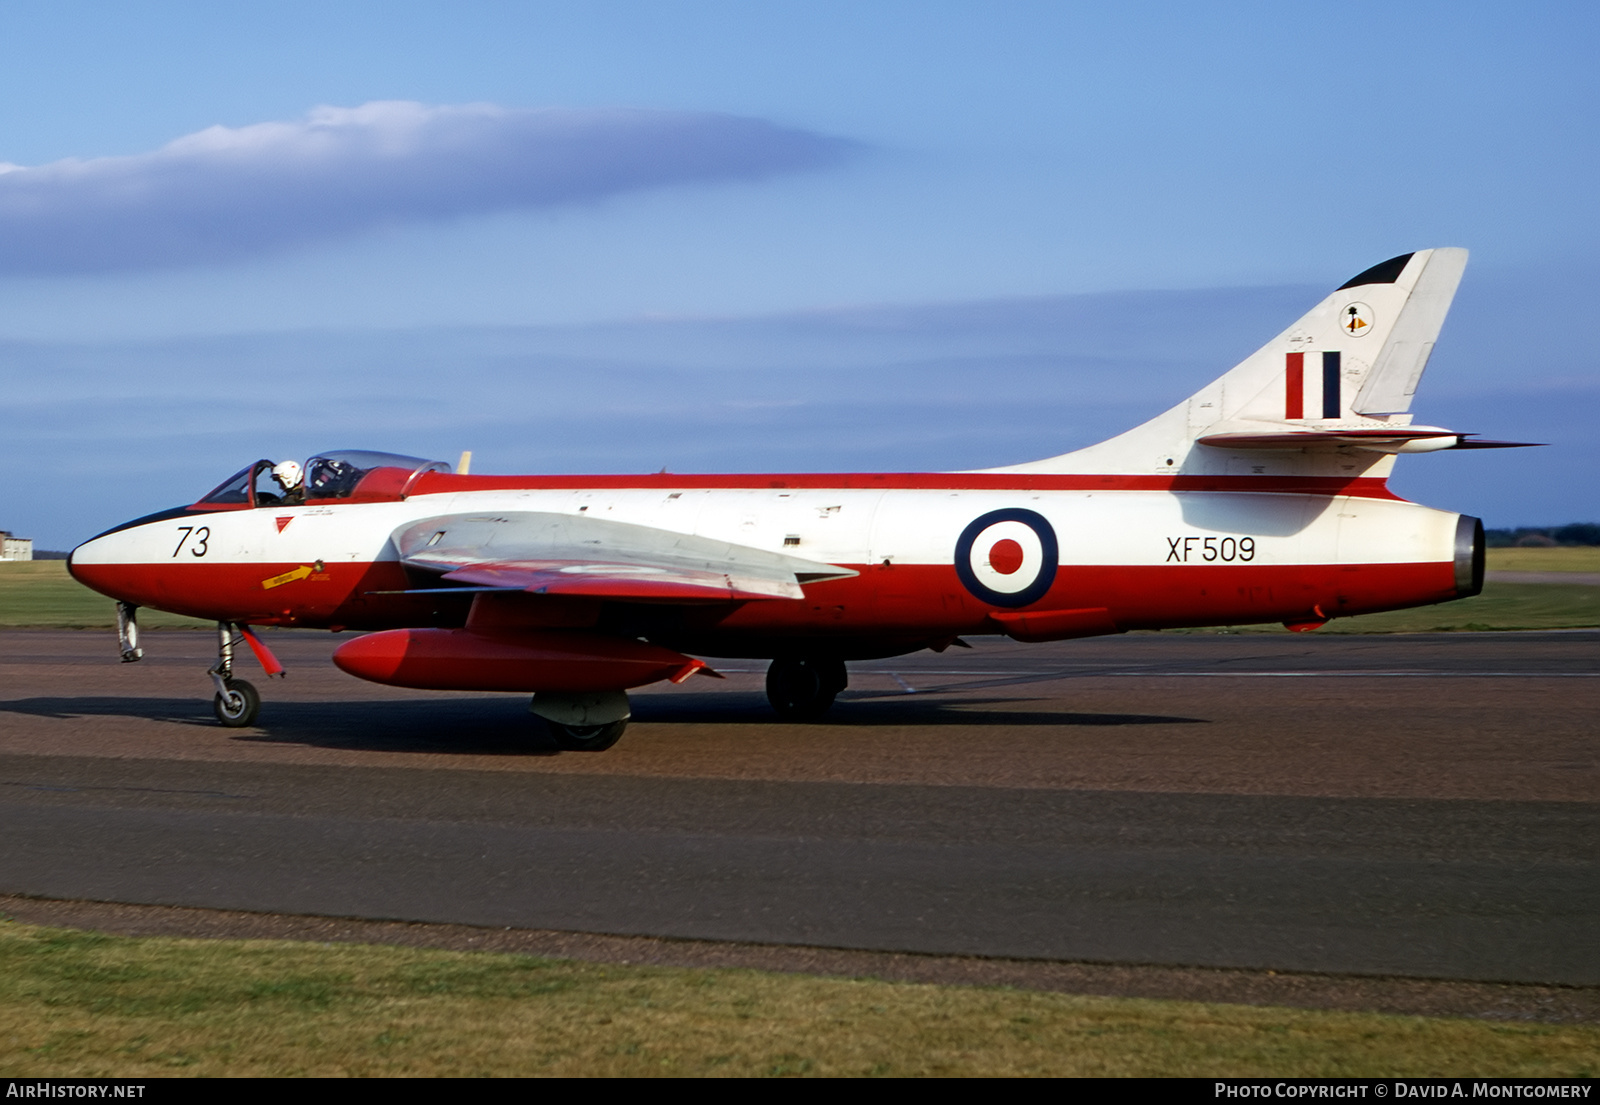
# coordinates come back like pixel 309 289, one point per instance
pixel 237 702
pixel 581 721
pixel 587 738
pixel 802 688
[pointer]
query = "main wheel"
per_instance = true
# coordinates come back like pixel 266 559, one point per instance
pixel 803 689
pixel 239 706
pixel 587 738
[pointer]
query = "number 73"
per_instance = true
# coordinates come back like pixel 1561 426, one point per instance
pixel 200 535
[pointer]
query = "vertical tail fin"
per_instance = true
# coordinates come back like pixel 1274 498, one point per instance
pixel 1351 363
pixel 1390 385
pixel 1357 354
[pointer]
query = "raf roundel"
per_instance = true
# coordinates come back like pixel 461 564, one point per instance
pixel 1008 557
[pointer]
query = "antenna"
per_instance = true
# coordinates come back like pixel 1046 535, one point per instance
pixel 464 463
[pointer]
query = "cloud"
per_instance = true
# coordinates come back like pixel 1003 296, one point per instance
pixel 224 193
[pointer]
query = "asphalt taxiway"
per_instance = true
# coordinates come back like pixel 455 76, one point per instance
pixel 1420 806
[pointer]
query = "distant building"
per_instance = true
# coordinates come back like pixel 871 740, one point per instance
pixel 15 548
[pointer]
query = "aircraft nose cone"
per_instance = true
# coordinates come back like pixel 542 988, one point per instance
pixel 114 580
pixel 87 555
pixel 90 564
pixel 111 564
pixel 121 562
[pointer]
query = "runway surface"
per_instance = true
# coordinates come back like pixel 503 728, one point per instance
pixel 1422 806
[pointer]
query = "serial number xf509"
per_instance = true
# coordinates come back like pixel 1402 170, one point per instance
pixel 1261 498
pixel 1225 549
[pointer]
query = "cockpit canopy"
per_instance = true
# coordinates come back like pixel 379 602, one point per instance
pixel 343 475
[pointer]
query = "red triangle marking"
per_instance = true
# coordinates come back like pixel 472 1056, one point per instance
pixel 283 522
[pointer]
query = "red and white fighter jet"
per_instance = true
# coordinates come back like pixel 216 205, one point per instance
pixel 1261 498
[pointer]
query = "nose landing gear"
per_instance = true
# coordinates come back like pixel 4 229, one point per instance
pixel 237 702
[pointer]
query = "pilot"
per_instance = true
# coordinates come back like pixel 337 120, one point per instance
pixel 289 477
pixel 332 479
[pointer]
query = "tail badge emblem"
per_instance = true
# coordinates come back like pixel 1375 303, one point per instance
pixel 1357 321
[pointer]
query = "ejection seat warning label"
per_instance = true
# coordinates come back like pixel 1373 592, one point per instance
pixel 1187 550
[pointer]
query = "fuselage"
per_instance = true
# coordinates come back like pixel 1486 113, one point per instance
pixel 937 556
pixel 1261 498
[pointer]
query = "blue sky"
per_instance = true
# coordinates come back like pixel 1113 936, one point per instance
pixel 820 235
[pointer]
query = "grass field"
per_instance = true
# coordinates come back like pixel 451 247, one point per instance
pixel 1580 559
pixel 1501 606
pixel 78 1004
pixel 41 593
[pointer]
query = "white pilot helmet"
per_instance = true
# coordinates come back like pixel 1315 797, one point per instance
pixel 287 474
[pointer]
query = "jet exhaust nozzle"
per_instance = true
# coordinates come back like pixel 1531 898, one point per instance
pixel 1469 556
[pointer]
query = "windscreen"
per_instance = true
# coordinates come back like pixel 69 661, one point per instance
pixel 236 488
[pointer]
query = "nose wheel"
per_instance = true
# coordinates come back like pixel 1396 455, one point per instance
pixel 802 688
pixel 237 704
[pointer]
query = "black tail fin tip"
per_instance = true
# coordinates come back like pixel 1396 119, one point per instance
pixel 1386 272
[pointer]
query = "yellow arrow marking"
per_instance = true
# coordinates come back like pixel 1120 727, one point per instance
pixel 287 577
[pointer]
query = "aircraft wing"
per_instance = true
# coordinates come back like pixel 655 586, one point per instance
pixel 564 554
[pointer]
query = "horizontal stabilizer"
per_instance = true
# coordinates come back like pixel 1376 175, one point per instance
pixel 1377 439
pixel 1484 443
pixel 560 554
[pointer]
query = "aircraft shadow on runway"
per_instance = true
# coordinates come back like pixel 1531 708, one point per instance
pixel 173 711
pixel 878 709
pixel 502 726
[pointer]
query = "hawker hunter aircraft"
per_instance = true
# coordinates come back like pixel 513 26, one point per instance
pixel 1261 498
